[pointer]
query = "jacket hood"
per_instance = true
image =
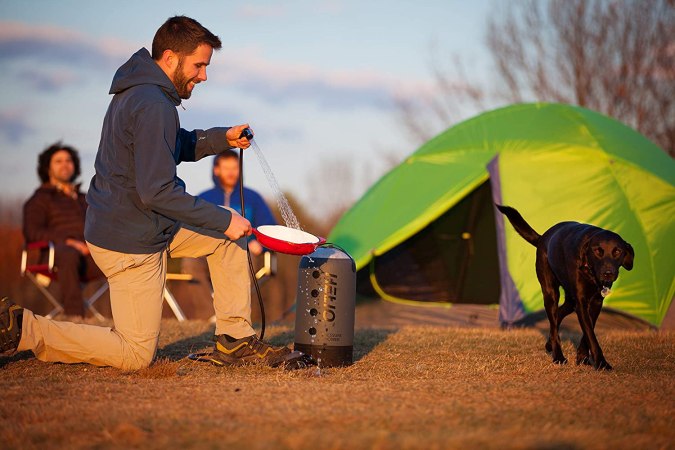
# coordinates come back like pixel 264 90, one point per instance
pixel 142 69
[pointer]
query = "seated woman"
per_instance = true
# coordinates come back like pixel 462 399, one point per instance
pixel 56 212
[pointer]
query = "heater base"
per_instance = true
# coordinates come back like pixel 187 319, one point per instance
pixel 330 356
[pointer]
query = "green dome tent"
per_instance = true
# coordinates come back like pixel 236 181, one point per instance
pixel 428 233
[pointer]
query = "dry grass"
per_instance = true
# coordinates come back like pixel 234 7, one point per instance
pixel 415 387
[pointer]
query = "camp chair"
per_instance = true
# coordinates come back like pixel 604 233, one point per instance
pixel 42 274
pixel 269 268
pixel 168 295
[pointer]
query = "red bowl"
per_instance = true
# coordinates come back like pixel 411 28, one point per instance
pixel 287 240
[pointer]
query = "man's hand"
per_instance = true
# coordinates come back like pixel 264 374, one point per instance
pixel 79 246
pixel 239 227
pixel 254 247
pixel 233 139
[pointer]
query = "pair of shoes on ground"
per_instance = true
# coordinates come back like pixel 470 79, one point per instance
pixel 229 351
pixel 11 319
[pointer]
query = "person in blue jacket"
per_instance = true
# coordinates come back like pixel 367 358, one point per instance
pixel 226 193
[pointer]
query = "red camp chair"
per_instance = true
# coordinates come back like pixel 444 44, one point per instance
pixel 40 272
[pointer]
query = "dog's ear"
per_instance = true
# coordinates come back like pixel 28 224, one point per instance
pixel 628 257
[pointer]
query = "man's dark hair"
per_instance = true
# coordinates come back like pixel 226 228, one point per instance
pixel 45 159
pixel 225 155
pixel 182 35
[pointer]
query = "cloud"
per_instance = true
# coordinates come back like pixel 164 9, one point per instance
pixel 14 125
pixel 272 81
pixel 285 82
pixel 47 58
pixel 52 80
pixel 57 45
pixel 206 116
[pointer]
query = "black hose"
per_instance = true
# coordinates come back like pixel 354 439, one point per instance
pixel 248 253
pixel 331 245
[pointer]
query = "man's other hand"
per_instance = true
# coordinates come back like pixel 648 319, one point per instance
pixel 239 227
pixel 255 248
pixel 79 246
pixel 233 139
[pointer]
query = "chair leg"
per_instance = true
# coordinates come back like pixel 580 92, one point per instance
pixel 173 304
pixel 268 269
pixel 89 303
pixel 58 308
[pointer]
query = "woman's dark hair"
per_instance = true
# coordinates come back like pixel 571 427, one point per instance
pixel 182 35
pixel 45 159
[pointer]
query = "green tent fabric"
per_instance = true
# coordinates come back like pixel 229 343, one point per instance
pixel 553 163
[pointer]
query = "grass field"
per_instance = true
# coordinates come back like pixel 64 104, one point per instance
pixel 411 387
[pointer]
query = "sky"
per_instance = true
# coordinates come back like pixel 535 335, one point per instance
pixel 316 80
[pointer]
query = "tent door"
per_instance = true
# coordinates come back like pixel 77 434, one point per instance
pixel 452 260
pixel 468 236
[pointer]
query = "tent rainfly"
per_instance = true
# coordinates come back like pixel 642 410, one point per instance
pixel 428 233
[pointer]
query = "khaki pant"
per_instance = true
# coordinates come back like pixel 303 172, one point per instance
pixel 136 296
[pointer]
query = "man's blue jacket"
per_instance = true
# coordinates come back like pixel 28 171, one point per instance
pixel 136 200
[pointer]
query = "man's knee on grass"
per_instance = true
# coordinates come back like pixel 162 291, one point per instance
pixel 138 354
pixel 137 361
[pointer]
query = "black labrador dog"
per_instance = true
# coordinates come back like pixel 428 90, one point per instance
pixel 585 261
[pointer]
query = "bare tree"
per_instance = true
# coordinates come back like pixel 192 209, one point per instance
pixel 615 57
pixel 333 189
pixel 452 96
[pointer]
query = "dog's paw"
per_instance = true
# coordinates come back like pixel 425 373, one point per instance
pixel 549 347
pixel 602 364
pixel 583 357
pixel 585 360
pixel 559 359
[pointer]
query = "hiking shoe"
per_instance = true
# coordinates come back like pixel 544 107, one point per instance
pixel 229 351
pixel 11 318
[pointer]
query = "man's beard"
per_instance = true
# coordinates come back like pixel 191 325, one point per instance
pixel 180 81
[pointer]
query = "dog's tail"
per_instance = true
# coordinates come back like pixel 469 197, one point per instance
pixel 522 227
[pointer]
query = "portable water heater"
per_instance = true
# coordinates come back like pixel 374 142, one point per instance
pixel 324 320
